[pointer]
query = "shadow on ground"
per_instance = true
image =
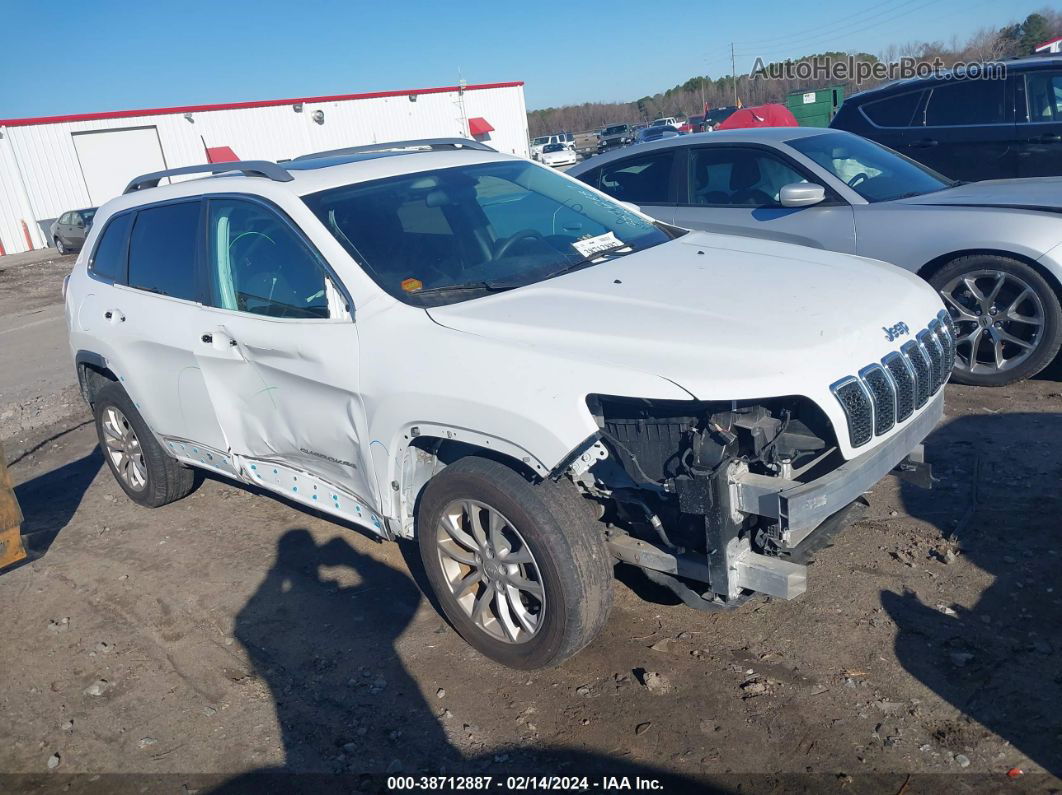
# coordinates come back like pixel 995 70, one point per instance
pixel 345 703
pixel 50 500
pixel 999 660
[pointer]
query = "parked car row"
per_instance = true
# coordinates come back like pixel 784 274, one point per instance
pixel 992 250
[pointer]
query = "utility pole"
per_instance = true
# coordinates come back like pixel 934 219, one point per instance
pixel 733 72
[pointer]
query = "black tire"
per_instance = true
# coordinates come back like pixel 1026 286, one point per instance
pixel 60 247
pixel 166 479
pixel 568 547
pixel 1046 341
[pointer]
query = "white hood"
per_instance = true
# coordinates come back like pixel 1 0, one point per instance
pixel 724 317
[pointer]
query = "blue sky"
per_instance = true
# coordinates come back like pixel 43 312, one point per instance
pixel 107 55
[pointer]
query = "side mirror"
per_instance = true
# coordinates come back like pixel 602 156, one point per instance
pixel 632 206
pixel 801 194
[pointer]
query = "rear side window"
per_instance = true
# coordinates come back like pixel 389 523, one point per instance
pixel 893 112
pixel 162 250
pixel 968 102
pixel 1044 93
pixel 642 180
pixel 108 260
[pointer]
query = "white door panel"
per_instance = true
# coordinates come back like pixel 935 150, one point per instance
pixel 285 391
pixel 154 347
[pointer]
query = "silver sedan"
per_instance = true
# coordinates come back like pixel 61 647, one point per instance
pixel 992 248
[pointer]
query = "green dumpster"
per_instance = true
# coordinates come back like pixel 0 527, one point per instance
pixel 815 108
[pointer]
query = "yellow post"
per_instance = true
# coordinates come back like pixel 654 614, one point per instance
pixel 11 549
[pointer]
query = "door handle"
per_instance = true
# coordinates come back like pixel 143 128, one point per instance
pixel 925 143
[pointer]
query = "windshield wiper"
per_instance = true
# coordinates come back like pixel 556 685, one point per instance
pixel 492 287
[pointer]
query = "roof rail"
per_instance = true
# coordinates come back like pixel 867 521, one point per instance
pixel 423 143
pixel 251 168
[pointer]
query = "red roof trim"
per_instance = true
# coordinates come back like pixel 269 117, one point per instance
pixel 265 103
pixel 1047 43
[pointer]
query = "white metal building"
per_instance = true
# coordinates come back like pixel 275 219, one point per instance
pixel 52 164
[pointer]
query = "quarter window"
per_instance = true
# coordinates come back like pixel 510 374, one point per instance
pixel 1044 92
pixel 735 177
pixel 258 264
pixel 108 260
pixel 643 180
pixel 893 112
pixel 968 102
pixel 162 250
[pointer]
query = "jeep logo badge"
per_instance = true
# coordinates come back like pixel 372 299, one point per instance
pixel 892 332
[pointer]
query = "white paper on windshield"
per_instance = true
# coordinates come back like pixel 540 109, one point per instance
pixel 590 246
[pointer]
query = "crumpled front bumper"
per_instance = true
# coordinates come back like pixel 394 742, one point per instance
pixel 799 508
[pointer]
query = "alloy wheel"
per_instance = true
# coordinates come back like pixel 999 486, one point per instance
pixel 999 320
pixel 490 571
pixel 123 449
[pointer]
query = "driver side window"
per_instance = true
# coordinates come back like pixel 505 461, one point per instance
pixel 258 264
pixel 736 177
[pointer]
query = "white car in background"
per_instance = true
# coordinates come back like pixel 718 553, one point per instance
pixel 538 144
pixel 430 340
pixel 557 155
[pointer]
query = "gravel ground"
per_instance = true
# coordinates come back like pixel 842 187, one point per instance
pixel 231 632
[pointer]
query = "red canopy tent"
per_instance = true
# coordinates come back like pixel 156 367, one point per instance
pixel 770 115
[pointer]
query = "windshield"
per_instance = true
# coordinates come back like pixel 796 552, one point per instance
pixel 553 148
pixel 875 172
pixel 438 237
pixel 616 129
pixel 87 215
pixel 539 141
pixel 660 122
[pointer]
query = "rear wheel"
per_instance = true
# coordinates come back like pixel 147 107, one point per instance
pixel 1007 317
pixel 520 569
pixel 142 468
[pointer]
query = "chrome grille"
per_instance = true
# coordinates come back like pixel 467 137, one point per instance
pixel 858 408
pixel 945 332
pixel 883 395
pixel 919 359
pixel 902 372
pixel 931 345
pixel 889 392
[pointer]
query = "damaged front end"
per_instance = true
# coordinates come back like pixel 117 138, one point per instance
pixel 735 496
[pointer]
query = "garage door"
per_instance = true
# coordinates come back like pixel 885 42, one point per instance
pixel 110 158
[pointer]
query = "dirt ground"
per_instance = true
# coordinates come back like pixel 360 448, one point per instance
pixel 232 633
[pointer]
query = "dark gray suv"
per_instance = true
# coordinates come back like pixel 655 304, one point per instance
pixel 69 229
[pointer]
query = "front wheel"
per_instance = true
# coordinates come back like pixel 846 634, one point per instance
pixel 60 247
pixel 520 569
pixel 1008 321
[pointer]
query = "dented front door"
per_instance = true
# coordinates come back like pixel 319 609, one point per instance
pixel 278 351
pixel 284 392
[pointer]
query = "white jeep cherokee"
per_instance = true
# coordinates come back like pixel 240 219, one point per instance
pixel 432 340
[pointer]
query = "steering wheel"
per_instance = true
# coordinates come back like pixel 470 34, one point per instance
pixel 512 240
pixel 858 179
